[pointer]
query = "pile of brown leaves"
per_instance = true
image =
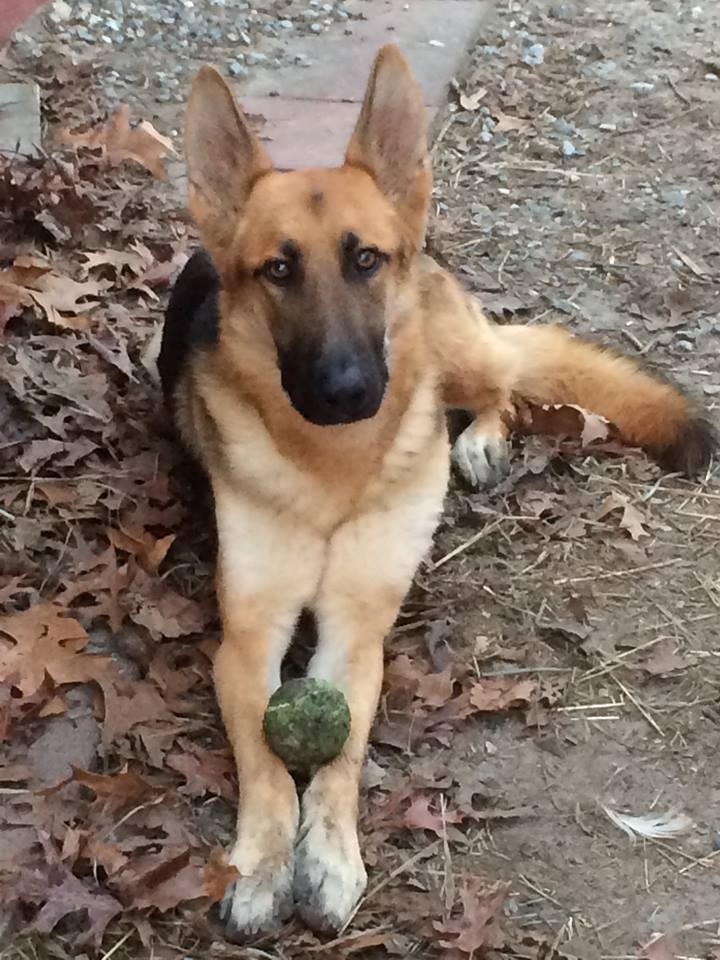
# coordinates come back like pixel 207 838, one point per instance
pixel 97 668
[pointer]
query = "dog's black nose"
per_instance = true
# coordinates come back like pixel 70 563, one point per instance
pixel 341 384
pixel 344 386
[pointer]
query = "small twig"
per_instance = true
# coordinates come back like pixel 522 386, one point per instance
pixel 560 934
pixel 700 862
pixel 449 877
pixel 618 661
pixel 129 814
pixel 116 947
pixel 515 671
pixel 540 892
pixel 643 128
pixel 426 851
pixel 630 336
pixel 678 94
pixel 643 710
pixel 539 167
pixel 591 706
pixel 698 516
pixel 678 491
pixel 339 941
pixel 619 573
pixel 500 268
pixel 468 543
pixel 662 846
pixel 598 718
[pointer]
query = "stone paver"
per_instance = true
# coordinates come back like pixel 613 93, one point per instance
pixel 309 112
pixel 303 133
pixel 434 35
pixel 13 13
pixel 19 118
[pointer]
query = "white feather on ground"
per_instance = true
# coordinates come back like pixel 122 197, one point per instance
pixel 653 826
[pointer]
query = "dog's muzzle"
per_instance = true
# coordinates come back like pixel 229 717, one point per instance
pixel 337 384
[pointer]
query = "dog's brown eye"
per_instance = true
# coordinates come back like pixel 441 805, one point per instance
pixel 367 258
pixel 277 270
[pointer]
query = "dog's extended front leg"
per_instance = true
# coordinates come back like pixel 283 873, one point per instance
pixel 371 562
pixel 329 872
pixel 267 570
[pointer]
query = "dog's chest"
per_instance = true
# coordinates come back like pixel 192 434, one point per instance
pixel 324 475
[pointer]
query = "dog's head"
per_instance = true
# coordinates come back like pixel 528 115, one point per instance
pixel 318 255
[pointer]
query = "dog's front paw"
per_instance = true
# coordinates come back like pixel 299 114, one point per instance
pixel 260 899
pixel 483 459
pixel 329 873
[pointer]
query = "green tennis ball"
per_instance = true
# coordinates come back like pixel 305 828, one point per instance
pixel 306 723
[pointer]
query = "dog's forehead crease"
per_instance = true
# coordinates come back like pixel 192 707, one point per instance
pixel 313 207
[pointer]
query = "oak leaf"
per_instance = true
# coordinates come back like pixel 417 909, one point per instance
pixel 478 927
pixel 501 693
pixel 122 141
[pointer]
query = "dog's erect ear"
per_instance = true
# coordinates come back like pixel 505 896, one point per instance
pixel 224 158
pixel 390 138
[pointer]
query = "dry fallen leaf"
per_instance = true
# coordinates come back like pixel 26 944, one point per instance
pixel 136 261
pixel 663 659
pixel 435 689
pixel 141 143
pixel 661 947
pixel 471 101
pixel 218 875
pixel 43 640
pixel 114 792
pixel 501 693
pixel 504 122
pixel 39 451
pixel 632 520
pixel 159 881
pixel 562 420
pixel 205 771
pixel 150 550
pixel 420 816
pixel 64 301
pixel 70 895
pixel 478 927
pixel 128 704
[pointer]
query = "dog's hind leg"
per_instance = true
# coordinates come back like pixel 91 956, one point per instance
pixel 553 366
pixel 481 453
pixel 487 367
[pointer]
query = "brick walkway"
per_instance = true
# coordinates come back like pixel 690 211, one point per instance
pixel 306 114
pixel 310 111
pixel 13 13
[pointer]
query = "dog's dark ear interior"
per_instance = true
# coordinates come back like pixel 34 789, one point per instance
pixel 224 159
pixel 390 139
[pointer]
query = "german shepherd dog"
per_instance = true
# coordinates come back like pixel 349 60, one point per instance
pixel 308 358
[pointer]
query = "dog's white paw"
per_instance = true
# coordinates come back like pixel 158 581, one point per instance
pixel 482 459
pixel 261 898
pixel 330 876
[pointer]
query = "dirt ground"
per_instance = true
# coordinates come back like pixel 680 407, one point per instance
pixel 564 659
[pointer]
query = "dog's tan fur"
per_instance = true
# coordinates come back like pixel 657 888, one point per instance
pixel 337 518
